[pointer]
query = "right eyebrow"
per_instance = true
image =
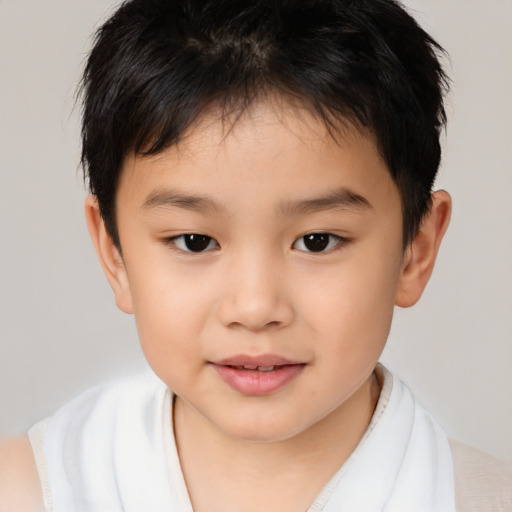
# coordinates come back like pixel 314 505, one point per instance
pixel 165 198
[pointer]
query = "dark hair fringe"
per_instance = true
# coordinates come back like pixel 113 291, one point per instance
pixel 158 65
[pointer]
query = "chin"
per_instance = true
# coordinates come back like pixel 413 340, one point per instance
pixel 262 431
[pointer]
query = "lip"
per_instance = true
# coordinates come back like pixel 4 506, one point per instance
pixel 261 360
pixel 254 382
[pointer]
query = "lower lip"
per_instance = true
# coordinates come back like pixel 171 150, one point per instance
pixel 255 382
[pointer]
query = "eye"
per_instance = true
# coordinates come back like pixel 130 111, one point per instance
pixel 317 242
pixel 192 242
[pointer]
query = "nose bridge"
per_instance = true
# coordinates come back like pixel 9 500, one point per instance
pixel 254 295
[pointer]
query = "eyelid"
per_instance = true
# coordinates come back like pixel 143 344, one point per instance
pixel 172 241
pixel 177 242
pixel 339 242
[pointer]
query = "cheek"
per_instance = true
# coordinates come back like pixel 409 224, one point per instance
pixel 356 301
pixel 168 336
pixel 170 314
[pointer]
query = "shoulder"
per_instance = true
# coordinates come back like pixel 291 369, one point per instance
pixel 482 482
pixel 20 488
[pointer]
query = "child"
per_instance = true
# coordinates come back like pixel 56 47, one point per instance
pixel 261 180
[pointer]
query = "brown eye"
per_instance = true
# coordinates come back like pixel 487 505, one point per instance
pixel 317 242
pixel 193 242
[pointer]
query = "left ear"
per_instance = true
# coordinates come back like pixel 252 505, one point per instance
pixel 420 255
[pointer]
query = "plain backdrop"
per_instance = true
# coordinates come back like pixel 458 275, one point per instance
pixel 60 331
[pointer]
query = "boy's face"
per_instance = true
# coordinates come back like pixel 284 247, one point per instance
pixel 294 264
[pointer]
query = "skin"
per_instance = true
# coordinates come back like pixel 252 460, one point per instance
pixel 20 488
pixel 264 184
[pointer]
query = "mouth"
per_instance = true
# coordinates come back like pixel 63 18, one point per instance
pixel 253 362
pixel 255 376
pixel 251 367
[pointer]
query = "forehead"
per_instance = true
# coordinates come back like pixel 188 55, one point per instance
pixel 272 150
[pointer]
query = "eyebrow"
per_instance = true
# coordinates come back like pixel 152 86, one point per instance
pixel 342 199
pixel 170 199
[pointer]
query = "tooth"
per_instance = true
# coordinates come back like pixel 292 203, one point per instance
pixel 249 367
pixel 265 368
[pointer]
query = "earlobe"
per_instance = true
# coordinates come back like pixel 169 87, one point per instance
pixel 420 255
pixel 110 258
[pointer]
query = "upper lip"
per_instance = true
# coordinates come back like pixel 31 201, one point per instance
pixel 261 360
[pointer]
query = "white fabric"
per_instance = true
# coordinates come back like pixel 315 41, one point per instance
pixel 105 450
pixel 402 464
pixel 37 436
pixel 112 449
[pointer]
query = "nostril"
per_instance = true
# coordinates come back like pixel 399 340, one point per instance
pixel 256 309
pixel 256 326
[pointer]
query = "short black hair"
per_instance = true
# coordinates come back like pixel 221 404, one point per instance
pixel 157 65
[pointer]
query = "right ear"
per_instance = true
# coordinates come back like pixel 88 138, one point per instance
pixel 109 255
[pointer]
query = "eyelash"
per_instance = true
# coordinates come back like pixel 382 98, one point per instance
pixel 204 242
pixel 178 240
pixel 333 242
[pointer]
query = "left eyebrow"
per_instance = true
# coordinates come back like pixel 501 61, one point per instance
pixel 343 199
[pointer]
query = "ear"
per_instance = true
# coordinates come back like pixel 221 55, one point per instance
pixel 109 255
pixel 421 253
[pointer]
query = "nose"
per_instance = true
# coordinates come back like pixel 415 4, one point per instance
pixel 255 294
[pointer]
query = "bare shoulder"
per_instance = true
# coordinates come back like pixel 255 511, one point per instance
pixel 20 488
pixel 482 482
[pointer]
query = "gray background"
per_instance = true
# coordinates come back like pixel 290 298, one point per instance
pixel 60 331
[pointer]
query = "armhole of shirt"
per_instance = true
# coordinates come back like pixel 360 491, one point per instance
pixel 37 435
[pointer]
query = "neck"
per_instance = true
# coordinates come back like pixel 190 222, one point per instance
pixel 293 470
